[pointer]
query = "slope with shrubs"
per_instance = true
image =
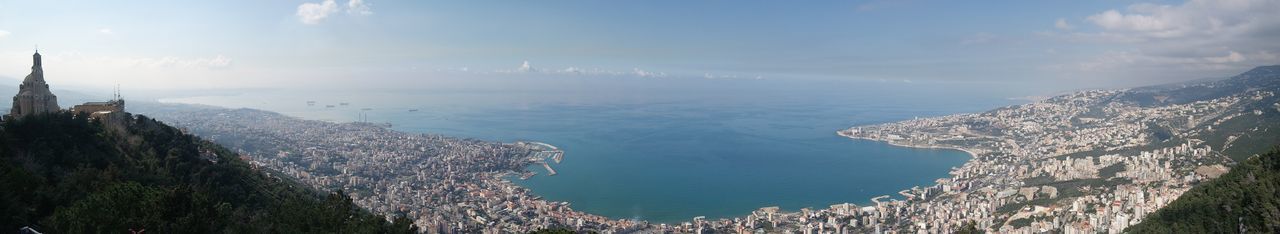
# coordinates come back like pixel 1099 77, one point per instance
pixel 70 174
pixel 1245 200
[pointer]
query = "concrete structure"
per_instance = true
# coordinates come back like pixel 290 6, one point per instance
pixel 101 109
pixel 33 96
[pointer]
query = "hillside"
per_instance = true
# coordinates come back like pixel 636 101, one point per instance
pixel 65 174
pixel 1240 131
pixel 1245 200
pixel 1089 161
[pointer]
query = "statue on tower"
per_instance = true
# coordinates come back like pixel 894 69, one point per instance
pixel 33 96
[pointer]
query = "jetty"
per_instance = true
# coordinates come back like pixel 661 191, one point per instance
pixel 550 172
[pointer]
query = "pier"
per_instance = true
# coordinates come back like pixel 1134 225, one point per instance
pixel 540 152
pixel 550 172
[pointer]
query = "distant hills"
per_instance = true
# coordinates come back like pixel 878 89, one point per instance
pixel 1246 199
pixel 1240 132
pixel 67 174
pixel 1259 78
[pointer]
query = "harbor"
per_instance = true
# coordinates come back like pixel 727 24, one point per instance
pixel 540 153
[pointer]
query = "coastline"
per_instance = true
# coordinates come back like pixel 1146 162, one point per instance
pixel 509 181
pixel 971 152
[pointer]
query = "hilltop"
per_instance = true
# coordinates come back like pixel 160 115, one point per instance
pixel 71 174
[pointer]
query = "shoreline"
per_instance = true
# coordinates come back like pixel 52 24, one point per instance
pixel 511 177
pixel 971 152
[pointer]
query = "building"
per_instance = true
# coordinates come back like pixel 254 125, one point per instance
pixel 33 96
pixel 98 109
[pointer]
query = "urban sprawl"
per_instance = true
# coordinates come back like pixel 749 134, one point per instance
pixel 1078 163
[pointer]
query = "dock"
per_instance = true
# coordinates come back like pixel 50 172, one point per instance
pixel 540 152
pixel 550 172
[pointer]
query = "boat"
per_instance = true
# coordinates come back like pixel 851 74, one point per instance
pixel 413 110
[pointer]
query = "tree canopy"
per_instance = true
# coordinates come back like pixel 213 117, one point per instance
pixel 69 174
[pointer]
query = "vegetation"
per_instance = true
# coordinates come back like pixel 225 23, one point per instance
pixel 970 227
pixel 69 174
pixel 1245 200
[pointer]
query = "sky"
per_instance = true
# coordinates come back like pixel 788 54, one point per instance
pixel 372 44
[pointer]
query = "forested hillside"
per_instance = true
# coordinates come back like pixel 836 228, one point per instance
pixel 67 174
pixel 1245 200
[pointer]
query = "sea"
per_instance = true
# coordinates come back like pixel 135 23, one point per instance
pixel 669 152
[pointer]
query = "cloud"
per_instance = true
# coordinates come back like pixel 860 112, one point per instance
pixel 715 76
pixel 647 74
pixel 1191 38
pixel 313 13
pixel 4 34
pixel 1062 24
pixel 215 63
pixel 106 31
pixel 76 68
pixel 1118 60
pixel 1193 19
pixel 525 67
pixel 358 7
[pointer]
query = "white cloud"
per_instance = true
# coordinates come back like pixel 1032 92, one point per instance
pixel 4 34
pixel 1232 57
pixel 358 7
pixel 574 70
pixel 1116 60
pixel 1193 19
pixel 525 67
pixel 218 62
pixel 1194 38
pixel 1113 20
pixel 1062 24
pixel 313 13
pixel 106 31
pixel 647 74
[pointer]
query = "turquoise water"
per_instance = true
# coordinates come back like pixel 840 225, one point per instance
pixel 676 154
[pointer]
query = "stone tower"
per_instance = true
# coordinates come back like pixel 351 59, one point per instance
pixel 33 95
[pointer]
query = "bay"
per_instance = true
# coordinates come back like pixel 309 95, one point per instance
pixel 668 155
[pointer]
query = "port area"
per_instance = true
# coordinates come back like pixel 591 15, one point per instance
pixel 540 153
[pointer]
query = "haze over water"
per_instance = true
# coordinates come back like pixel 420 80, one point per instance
pixel 669 154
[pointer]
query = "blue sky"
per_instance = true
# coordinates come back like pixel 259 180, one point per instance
pixel 344 43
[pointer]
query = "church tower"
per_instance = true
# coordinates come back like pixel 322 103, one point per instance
pixel 33 95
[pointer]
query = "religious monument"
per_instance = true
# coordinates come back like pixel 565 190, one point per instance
pixel 33 96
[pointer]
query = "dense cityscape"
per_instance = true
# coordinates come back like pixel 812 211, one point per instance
pixel 1079 163
pixel 445 184
pixel 816 117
